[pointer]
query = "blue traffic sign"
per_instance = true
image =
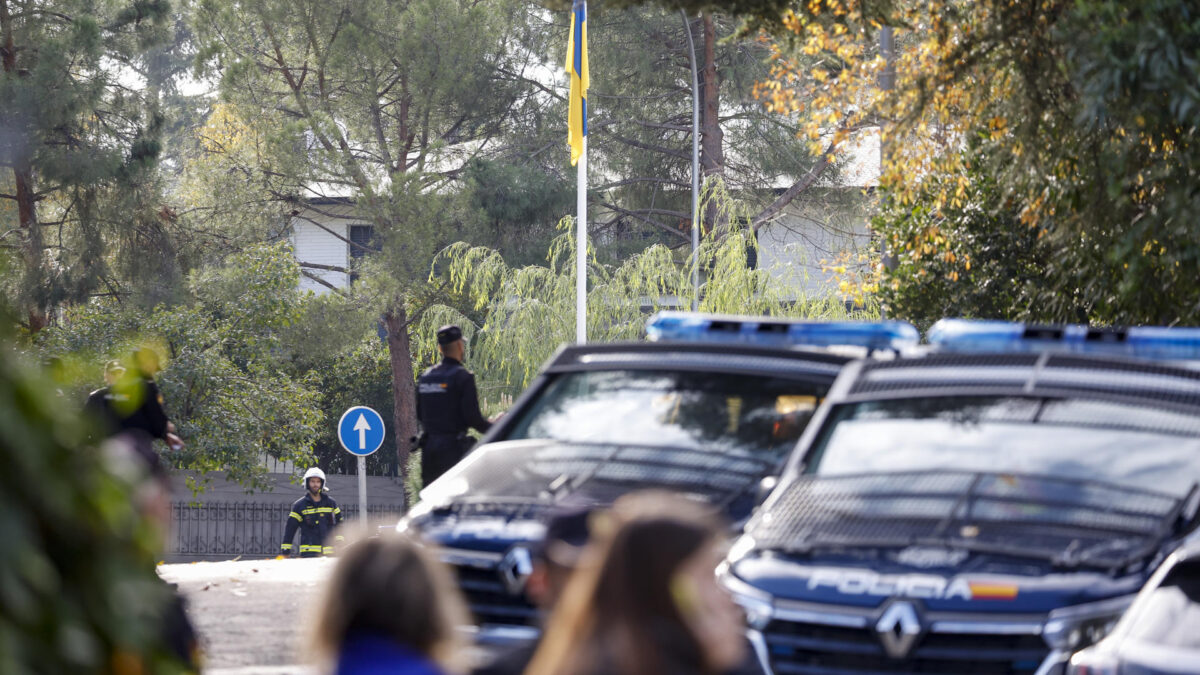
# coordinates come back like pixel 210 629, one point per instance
pixel 360 431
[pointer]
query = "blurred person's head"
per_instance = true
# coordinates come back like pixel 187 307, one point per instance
pixel 389 587
pixel 113 371
pixel 557 556
pixel 146 361
pixel 644 598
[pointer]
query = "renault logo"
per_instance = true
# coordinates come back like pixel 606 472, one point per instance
pixel 898 628
pixel 515 568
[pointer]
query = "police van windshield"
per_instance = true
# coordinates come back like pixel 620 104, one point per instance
pixel 704 411
pixel 1111 442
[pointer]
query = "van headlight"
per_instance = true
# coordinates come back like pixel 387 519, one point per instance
pixel 1072 628
pixel 755 603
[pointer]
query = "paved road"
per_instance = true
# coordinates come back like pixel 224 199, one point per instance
pixel 252 615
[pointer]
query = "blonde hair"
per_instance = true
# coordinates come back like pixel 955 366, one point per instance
pixel 392 587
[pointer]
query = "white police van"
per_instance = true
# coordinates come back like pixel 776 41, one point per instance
pixel 710 406
pixel 990 506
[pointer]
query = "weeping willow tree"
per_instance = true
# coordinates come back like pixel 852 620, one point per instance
pixel 514 318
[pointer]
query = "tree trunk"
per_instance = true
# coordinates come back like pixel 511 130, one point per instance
pixel 22 170
pixel 712 152
pixel 404 391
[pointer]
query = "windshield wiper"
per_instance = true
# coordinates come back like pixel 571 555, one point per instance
pixel 1174 522
pixel 999 513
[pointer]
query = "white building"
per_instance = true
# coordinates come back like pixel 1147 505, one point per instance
pixel 327 239
pixel 829 226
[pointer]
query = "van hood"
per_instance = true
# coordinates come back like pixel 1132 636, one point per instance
pixel 503 493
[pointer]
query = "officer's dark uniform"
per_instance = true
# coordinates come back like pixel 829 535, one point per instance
pixel 315 520
pixel 132 404
pixel 447 404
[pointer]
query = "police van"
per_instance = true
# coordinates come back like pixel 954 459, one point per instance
pixel 991 506
pixel 709 406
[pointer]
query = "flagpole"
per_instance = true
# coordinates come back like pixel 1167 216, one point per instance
pixel 577 75
pixel 581 249
pixel 687 26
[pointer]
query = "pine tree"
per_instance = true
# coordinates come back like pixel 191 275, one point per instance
pixel 78 142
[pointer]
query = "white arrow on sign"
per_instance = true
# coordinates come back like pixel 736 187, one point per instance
pixel 362 428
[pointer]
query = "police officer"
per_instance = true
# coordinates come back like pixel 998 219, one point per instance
pixel 447 404
pixel 315 515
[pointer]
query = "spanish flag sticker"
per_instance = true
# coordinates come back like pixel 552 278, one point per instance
pixel 993 592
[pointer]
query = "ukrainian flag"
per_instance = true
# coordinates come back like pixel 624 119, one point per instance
pixel 577 70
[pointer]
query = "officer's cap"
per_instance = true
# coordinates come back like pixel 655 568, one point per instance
pixel 448 334
pixel 567 533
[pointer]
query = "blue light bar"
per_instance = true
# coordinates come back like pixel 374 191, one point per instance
pixel 758 330
pixel 1144 342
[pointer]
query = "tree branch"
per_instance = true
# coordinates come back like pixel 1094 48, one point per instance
pixel 646 146
pixel 642 179
pixel 335 234
pixel 645 219
pixel 324 283
pixel 792 192
pixel 318 266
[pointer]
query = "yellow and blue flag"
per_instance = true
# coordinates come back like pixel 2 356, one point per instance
pixel 577 70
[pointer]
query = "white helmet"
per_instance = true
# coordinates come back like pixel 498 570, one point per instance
pixel 314 472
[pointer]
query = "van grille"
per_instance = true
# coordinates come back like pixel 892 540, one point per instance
pixel 489 600
pixel 814 649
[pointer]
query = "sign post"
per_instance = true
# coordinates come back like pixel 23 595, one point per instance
pixel 361 432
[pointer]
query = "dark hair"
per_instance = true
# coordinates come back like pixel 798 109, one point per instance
pixel 618 613
pixel 389 586
pixel 566 536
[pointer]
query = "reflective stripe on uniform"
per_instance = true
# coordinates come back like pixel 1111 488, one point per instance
pixel 317 509
pixel 339 538
pixel 328 550
pixel 310 548
pixel 287 547
pixel 295 515
pixel 337 509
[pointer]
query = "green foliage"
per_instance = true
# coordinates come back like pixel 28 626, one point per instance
pixel 225 385
pixel 987 266
pixel 1131 212
pixel 640 127
pixel 764 14
pixel 77 579
pixel 412 482
pixel 527 312
pixel 376 122
pixel 357 375
pixel 521 205
pixel 78 144
pixel 1083 116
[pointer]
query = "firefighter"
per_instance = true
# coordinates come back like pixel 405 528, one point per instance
pixel 315 514
pixel 447 405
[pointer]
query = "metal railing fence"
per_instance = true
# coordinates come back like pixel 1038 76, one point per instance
pixel 223 530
